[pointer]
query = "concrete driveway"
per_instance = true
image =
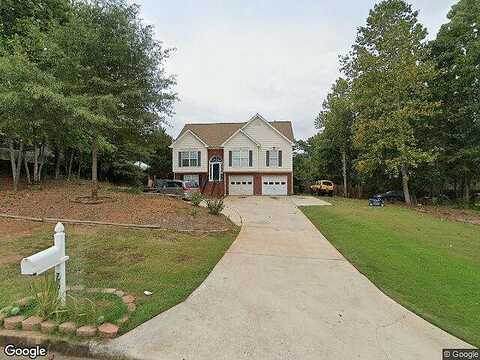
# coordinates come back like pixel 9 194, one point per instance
pixel 283 292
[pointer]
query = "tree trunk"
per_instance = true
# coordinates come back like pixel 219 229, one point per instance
pixel 94 168
pixel 344 171
pixel 70 166
pixel 65 163
pixel 79 171
pixel 405 179
pixel 455 187
pixel 42 161
pixel 35 163
pixel 466 190
pixel 27 171
pixel 14 165
pixel 19 163
pixel 57 163
pixel 360 190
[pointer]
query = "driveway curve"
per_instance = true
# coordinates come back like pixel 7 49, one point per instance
pixel 282 291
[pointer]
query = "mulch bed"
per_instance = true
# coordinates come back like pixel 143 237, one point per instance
pixel 57 199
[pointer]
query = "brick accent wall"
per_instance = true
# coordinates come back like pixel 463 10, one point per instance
pixel 211 188
pixel 212 152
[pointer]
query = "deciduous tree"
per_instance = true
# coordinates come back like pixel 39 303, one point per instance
pixel 113 69
pixel 335 121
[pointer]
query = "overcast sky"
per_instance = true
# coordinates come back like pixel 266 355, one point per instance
pixel 278 58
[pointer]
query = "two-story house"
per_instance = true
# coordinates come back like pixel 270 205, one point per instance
pixel 249 158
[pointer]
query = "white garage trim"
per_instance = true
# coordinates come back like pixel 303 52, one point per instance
pixel 274 185
pixel 240 185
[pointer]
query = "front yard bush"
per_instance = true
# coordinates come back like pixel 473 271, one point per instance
pixel 197 198
pixel 215 206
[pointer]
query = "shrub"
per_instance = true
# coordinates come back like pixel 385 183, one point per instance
pixel 194 211
pixel 197 198
pixel 215 206
pixel 14 311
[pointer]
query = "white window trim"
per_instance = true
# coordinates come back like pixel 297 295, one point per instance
pixel 240 158
pixel 190 157
pixel 215 160
pixel 273 158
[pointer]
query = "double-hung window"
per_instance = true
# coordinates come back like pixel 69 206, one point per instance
pixel 240 158
pixel 273 158
pixel 189 158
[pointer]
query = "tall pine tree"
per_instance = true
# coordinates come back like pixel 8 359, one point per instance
pixel 390 91
pixel 456 52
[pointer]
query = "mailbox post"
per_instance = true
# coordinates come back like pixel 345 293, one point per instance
pixel 60 271
pixel 52 257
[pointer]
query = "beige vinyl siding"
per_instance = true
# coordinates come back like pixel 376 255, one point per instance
pixel 189 142
pixel 240 142
pixel 269 139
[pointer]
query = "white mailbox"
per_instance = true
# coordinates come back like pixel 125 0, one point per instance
pixel 52 257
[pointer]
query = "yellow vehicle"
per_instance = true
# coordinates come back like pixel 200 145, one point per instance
pixel 322 187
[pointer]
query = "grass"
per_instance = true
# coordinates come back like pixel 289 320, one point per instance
pixel 429 265
pixel 86 308
pixel 169 264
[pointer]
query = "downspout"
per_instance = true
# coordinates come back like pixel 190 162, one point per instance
pixel 259 170
pixel 223 172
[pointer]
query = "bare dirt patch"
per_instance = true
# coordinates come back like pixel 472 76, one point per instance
pixel 56 199
pixel 9 259
pixel 10 229
pixel 461 215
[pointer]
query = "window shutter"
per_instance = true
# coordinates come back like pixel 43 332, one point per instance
pixel 199 158
pixel 279 158
pixel 250 158
pixel 179 159
pixel 230 158
pixel 267 158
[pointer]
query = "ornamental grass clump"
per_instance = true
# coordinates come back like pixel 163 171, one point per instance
pixel 45 295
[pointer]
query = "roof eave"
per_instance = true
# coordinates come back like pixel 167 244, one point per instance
pixel 191 132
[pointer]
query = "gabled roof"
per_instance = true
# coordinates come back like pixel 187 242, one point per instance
pixel 261 118
pixel 242 132
pixel 188 131
pixel 215 134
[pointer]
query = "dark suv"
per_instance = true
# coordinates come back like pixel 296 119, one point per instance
pixel 392 195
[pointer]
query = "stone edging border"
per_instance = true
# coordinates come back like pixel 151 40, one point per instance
pixel 92 222
pixel 22 327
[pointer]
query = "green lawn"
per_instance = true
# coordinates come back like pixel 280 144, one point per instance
pixel 429 265
pixel 169 264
